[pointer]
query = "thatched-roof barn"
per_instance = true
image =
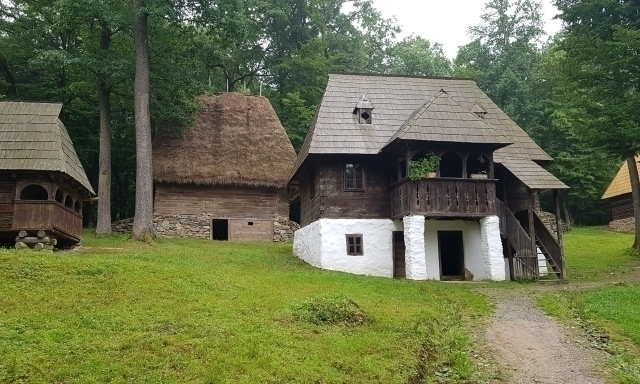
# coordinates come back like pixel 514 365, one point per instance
pixel 224 177
pixel 42 182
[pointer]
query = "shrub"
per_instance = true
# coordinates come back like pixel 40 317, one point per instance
pixel 422 167
pixel 327 310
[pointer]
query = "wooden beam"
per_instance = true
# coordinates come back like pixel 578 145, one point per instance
pixel 532 231
pixel 563 268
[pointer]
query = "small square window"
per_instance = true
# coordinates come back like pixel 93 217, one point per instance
pixel 355 245
pixel 250 223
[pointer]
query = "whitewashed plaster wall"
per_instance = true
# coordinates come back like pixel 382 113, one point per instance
pixel 471 239
pixel 414 241
pixel 307 244
pixel 492 248
pixel 323 244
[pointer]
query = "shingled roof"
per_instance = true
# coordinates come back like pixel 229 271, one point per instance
pixel 442 119
pixel 398 99
pixel 32 138
pixel 621 183
pixel 235 140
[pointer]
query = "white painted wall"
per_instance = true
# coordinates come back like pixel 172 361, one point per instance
pixel 414 241
pixel 471 239
pixel 323 244
pixel 307 244
pixel 494 266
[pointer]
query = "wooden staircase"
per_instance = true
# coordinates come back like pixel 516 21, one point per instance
pixel 523 258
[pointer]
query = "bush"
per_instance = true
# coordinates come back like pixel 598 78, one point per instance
pixel 329 310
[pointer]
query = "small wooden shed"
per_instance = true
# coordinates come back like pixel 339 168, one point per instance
pixel 42 182
pixel 619 195
pixel 224 177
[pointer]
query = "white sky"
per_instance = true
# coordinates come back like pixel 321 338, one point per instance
pixel 447 21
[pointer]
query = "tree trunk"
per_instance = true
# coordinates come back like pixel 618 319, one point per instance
pixel 635 193
pixel 104 169
pixel 143 217
pixel 104 164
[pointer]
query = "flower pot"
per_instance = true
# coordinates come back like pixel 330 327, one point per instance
pixel 478 175
pixel 431 175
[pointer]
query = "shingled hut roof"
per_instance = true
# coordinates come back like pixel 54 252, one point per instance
pixel 621 183
pixel 335 130
pixel 235 140
pixel 32 138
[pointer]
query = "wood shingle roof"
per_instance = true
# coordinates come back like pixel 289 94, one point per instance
pixel 398 101
pixel 32 138
pixel 621 183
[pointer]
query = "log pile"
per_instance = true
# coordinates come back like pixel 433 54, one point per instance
pixel 38 242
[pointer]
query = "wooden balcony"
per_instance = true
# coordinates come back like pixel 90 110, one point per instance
pixel 49 216
pixel 443 197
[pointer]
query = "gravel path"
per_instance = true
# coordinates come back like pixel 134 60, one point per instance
pixel 534 347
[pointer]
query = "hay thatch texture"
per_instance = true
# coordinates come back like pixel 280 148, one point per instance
pixel 235 140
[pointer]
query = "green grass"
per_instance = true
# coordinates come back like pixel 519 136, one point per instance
pixel 594 254
pixel 217 312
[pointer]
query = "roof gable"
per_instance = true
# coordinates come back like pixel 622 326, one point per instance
pixel 335 129
pixel 621 183
pixel 33 138
pixel 442 119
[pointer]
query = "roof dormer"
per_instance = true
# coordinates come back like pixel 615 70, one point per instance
pixel 363 110
pixel 477 110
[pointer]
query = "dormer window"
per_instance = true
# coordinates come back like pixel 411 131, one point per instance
pixel 363 110
pixel 477 110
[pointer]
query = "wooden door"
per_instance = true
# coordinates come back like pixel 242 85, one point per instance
pixel 399 269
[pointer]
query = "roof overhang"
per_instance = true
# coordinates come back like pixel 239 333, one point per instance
pixel 532 174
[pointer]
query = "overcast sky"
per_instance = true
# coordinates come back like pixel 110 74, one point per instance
pixel 447 21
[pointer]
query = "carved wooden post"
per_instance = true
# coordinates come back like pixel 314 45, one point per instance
pixel 563 267
pixel 532 231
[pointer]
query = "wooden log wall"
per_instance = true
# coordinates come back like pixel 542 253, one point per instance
pixel 310 206
pixel 217 201
pixel 372 202
pixel 621 207
pixel 250 230
pixel 7 190
pixel 48 216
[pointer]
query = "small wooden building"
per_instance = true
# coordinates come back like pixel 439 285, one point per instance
pixel 619 195
pixel 42 182
pixel 224 177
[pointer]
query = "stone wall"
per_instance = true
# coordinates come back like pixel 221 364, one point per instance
pixel 193 226
pixel 623 225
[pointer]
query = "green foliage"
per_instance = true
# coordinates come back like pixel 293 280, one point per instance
pixel 424 166
pixel 415 55
pixel 189 310
pixel 330 310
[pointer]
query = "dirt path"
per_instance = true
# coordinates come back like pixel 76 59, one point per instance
pixel 535 348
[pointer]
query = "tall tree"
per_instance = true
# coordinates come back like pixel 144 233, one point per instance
pixel 415 55
pixel 143 219
pixel 602 46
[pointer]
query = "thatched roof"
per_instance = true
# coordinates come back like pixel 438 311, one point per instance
pixel 32 138
pixel 399 99
pixel 235 140
pixel 621 183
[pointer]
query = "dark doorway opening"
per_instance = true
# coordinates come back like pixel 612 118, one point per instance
pixel 451 255
pixel 219 229
pixel 399 266
pixel 294 210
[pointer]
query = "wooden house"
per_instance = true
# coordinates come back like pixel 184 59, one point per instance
pixel 224 177
pixel 361 213
pixel 618 193
pixel 42 182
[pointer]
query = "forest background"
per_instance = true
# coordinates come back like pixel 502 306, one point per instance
pixel 81 53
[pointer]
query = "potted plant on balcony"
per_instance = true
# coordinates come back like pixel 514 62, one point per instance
pixel 425 167
pixel 480 175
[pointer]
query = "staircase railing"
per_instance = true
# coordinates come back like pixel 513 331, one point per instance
pixel 549 245
pixel 526 261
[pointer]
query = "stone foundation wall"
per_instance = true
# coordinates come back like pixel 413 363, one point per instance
pixel 192 226
pixel 623 225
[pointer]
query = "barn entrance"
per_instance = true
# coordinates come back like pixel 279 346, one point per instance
pixel 451 252
pixel 399 267
pixel 219 229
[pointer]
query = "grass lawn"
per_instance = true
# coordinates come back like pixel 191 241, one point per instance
pixel 217 312
pixel 595 254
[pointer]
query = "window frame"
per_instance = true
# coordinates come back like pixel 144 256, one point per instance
pixel 354 179
pixel 358 242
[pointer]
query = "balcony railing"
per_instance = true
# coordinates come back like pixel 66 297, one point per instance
pixel 443 197
pixel 47 215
